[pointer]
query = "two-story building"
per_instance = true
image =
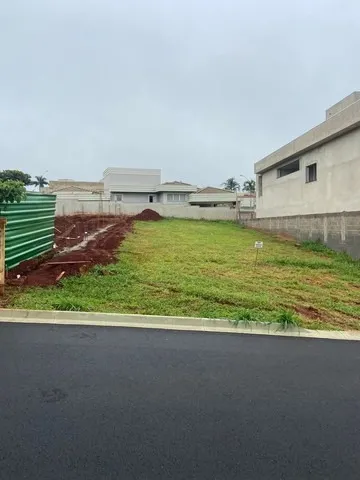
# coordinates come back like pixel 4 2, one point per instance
pixel 318 172
pixel 310 187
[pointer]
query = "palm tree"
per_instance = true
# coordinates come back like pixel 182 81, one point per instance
pixel 40 182
pixel 249 186
pixel 231 184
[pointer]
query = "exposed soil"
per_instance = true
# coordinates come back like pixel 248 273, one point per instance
pixel 99 236
pixel 148 215
pixel 309 312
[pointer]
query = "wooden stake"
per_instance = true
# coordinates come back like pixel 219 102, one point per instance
pixel 256 258
pixel 60 276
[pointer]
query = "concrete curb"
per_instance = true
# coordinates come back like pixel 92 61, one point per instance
pixel 167 323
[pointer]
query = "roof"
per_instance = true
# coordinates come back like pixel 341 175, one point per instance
pixel 213 190
pixel 74 188
pixel 335 125
pixel 175 183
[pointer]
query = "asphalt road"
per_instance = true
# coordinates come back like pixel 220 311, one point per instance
pixel 115 403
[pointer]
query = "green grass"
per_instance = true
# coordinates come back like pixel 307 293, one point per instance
pixel 207 269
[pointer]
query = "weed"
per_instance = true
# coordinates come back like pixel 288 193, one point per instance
pixel 287 319
pixel 246 316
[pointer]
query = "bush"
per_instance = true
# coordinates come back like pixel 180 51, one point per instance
pixel 12 191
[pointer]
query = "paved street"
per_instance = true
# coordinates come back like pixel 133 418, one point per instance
pixel 116 403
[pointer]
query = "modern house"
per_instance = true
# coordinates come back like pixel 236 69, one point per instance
pixel 318 172
pixel 310 188
pixel 139 185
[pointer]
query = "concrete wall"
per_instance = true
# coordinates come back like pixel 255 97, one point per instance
pixel 336 189
pixel 69 207
pixel 339 231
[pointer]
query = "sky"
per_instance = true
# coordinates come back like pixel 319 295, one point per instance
pixel 199 88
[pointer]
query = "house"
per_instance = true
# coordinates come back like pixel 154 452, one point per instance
pixel 72 189
pixel 318 172
pixel 214 197
pixel 125 185
pixel 139 185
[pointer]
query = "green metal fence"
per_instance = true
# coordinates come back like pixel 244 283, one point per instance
pixel 29 228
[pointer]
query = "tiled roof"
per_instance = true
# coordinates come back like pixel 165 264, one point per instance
pixel 213 190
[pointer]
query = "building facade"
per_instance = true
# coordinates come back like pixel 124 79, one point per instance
pixel 318 172
pixel 139 185
pixel 309 188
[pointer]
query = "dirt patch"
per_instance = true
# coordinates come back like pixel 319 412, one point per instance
pixel 69 232
pixel 73 229
pixel 81 241
pixel 285 237
pixel 148 215
pixel 309 312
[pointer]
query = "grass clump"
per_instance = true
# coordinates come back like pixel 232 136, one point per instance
pixel 317 247
pixel 287 319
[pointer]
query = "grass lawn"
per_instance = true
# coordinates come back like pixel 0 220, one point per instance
pixel 206 269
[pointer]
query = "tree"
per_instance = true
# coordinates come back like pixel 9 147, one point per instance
pixel 231 184
pixel 40 181
pixel 12 191
pixel 15 175
pixel 249 186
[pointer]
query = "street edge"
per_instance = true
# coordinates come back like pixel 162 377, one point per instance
pixel 167 323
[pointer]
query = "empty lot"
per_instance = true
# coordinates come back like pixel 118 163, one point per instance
pixel 207 269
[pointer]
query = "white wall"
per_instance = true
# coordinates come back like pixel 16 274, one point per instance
pixel 337 188
pixel 69 207
pixel 127 179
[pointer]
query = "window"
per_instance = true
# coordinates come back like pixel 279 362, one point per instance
pixel 288 168
pixel 176 197
pixel 260 185
pixel 311 173
pixel 151 198
pixel 116 197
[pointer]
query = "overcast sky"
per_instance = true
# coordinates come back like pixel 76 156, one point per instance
pixel 199 88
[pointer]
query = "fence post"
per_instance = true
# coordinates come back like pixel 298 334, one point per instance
pixel 2 255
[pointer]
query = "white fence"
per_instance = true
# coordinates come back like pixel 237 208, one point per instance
pixel 70 206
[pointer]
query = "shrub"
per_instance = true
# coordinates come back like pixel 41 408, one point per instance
pixel 12 191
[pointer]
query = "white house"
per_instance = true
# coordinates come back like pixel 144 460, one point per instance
pixel 318 172
pixel 139 185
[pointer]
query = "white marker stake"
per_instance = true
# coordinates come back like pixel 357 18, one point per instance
pixel 258 245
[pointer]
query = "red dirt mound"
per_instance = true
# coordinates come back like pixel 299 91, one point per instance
pixel 148 215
